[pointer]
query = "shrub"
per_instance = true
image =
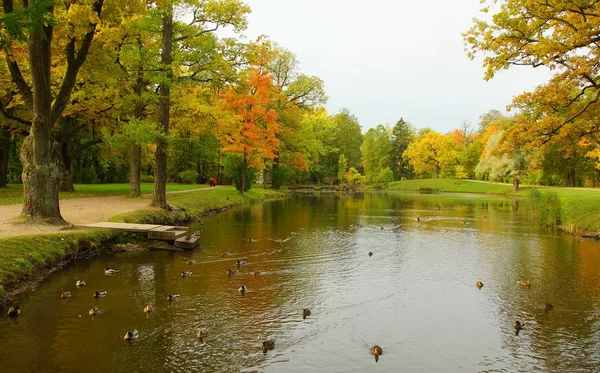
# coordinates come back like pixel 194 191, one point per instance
pixel 89 175
pixel 281 175
pixel 544 207
pixel 147 178
pixel 188 177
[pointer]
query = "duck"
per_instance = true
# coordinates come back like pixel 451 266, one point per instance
pixel 232 272
pixel 518 326
pixel 197 233
pixel 418 219
pixel 370 253
pixel 305 313
pixel 549 307
pixel 381 228
pixel 479 284
pixel 225 253
pixel 185 274
pixel 524 283
pixel 201 334
pixel 250 240
pixel 65 294
pixel 110 271
pixel 131 335
pixel 376 351
pixel 191 261
pixel 14 311
pixel 94 311
pixel 241 262
pixel 173 296
pixel 100 294
pixel 269 344
pixel 148 309
pixel 80 283
pixel 256 273
pixel 243 289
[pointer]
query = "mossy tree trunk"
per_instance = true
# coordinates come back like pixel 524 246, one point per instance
pixel 164 90
pixel 40 153
pixel 4 156
pixel 515 184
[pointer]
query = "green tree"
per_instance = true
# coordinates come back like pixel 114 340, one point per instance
pixel 348 137
pixel 500 163
pixel 403 134
pixel 342 168
pixel 376 151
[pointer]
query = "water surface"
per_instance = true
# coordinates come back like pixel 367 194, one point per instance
pixel 416 296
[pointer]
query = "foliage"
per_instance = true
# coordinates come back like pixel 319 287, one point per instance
pixel 376 151
pixel 342 168
pixel 544 207
pixel 432 153
pixel 281 175
pixel 403 134
pixel 188 177
pixel 353 177
pixel 234 166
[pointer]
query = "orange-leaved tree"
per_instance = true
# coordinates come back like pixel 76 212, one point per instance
pixel 248 127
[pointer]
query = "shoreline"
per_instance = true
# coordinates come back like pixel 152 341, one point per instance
pixel 27 260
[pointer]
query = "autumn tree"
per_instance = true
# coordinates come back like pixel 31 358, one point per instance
pixel 432 153
pixel 248 127
pixel 376 151
pixel 40 153
pixel 348 137
pixel 560 35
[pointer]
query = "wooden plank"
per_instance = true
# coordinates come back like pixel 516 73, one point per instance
pixel 123 226
pixel 167 233
pixel 186 244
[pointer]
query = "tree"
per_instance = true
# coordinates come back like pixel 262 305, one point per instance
pixel 249 127
pixel 348 137
pixel 342 167
pixel 500 162
pixel 403 134
pixel 432 153
pixel 376 152
pixel 40 154
pixel 561 35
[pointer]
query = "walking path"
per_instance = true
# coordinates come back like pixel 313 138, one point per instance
pixel 77 211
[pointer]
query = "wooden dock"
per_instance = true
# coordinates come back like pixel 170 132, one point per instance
pixel 168 233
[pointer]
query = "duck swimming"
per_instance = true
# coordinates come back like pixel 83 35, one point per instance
pixel 14 311
pixel 94 311
pixel 305 312
pixel 65 294
pixel 100 294
pixel 241 262
pixel 518 326
pixel 110 271
pixel 370 253
pixel 80 283
pixel 173 296
pixel 269 344
pixel 376 351
pixel 243 289
pixel 525 283
pixel 232 272
pixel 185 274
pixel 131 335
pixel 191 261
pixel 479 284
pixel 201 334
pixel 549 307
pixel 148 309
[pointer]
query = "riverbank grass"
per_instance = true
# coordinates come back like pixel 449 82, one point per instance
pixel 198 204
pixel 25 257
pixel 452 186
pixel 13 193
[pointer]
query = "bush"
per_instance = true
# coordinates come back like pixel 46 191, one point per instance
pixel 544 207
pixel 281 175
pixel 89 175
pixel 188 177
pixel 147 178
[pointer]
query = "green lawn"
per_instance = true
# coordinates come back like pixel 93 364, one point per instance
pixel 13 193
pixel 198 204
pixel 452 185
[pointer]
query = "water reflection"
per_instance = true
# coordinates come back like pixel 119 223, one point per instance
pixel 415 297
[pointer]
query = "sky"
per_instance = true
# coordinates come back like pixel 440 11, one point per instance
pixel 387 59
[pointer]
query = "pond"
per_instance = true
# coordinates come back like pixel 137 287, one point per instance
pixel 415 296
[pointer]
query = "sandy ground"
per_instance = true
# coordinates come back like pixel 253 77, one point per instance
pixel 76 211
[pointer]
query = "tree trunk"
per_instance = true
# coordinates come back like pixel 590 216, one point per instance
pixel 135 165
pixel 164 91
pixel 40 153
pixel 515 185
pixel 4 156
pixel 571 180
pixel 66 173
pixel 243 177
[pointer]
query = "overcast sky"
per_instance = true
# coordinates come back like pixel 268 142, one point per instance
pixel 386 59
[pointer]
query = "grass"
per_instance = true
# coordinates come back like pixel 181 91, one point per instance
pixel 198 204
pixel 24 257
pixel 13 193
pixel 452 185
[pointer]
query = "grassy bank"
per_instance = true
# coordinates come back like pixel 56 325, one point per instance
pixel 13 193
pixel 452 186
pixel 26 258
pixel 198 204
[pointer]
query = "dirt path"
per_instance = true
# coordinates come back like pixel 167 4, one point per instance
pixel 76 211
